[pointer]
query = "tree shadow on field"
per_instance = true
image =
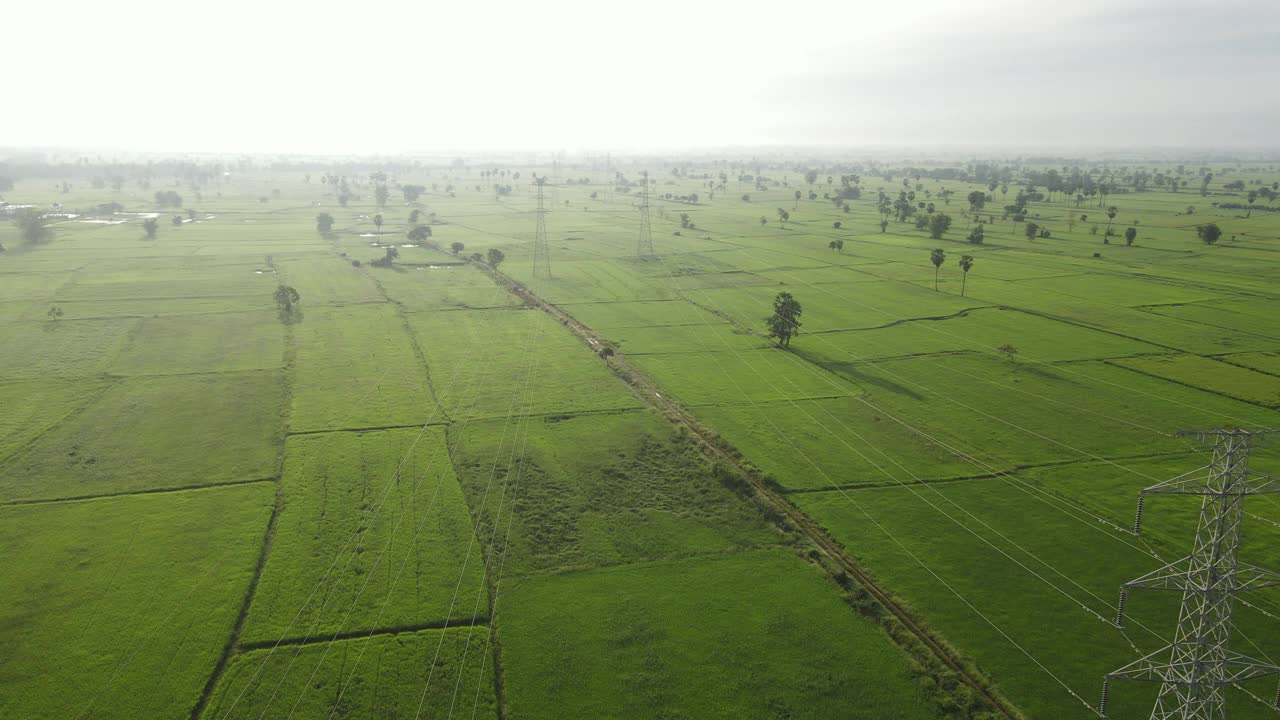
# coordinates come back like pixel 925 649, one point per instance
pixel 849 371
pixel 290 317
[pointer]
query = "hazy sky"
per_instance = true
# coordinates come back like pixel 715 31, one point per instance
pixel 401 75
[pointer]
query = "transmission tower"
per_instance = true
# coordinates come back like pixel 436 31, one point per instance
pixel 541 251
pixel 644 246
pixel 1195 669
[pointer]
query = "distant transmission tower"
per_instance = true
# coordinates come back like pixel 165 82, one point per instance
pixel 541 251
pixel 1195 669
pixel 644 245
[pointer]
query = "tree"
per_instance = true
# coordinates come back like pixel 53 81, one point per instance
pixel 496 257
pixel 324 222
pixel 151 226
pixel 1008 350
pixel 1031 229
pixel 763 220
pixel 606 352
pixel 55 312
pixel 286 298
pixel 381 194
pixel 1130 234
pixel 837 224
pixel 811 176
pixel 457 247
pixel 377 221
pixel 937 257
pixel 966 264
pixel 33 226
pixel 419 233
pixel 883 224
pixel 939 224
pixel 977 200
pixel 177 220
pixel 1209 234
pixel 783 216
pixel 1111 215
pixel 977 234
pixel 797 200
pixel 414 216
pixel 784 323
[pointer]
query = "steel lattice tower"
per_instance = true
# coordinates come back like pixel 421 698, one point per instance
pixel 541 250
pixel 1194 670
pixel 644 245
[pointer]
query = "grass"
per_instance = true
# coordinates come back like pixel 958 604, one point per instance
pixel 66 348
pixel 151 433
pixel 373 534
pixel 33 406
pixel 382 676
pixel 752 635
pixel 1211 375
pixel 356 367
pixel 146 590
pixel 597 490
pixel 203 344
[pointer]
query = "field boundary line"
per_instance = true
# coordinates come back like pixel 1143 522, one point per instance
pixel 371 428
pixel 1219 393
pixel 390 630
pixel 150 491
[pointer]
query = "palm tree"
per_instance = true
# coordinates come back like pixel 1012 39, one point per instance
pixel 1111 215
pixel 377 220
pixel 797 200
pixel 937 257
pixel 966 262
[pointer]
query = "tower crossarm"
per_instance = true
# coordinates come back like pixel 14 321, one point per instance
pixel 1180 575
pixel 1197 482
pixel 1157 667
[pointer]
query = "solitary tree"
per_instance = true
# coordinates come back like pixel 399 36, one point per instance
pixel 1130 234
pixel 1209 234
pixel 419 233
pixel 977 235
pixel 496 257
pixel 783 216
pixel 457 247
pixel 151 226
pixel 381 194
pixel 784 323
pixel 1008 350
pixel 966 263
pixel 33 226
pixel 1031 229
pixel 883 224
pixel 286 298
pixel 1111 215
pixel 764 220
pixel 937 257
pixel 324 222
pixel 939 224
pixel 606 352
pixel 55 312
pixel 797 200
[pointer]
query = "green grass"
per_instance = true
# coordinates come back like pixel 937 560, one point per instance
pixel 753 635
pixel 489 363
pixel 374 533
pixel 135 617
pixel 33 406
pixel 203 344
pixel 732 376
pixel 69 348
pixel 150 433
pixel 356 367
pixel 382 676
pixel 597 490
pixel 1211 375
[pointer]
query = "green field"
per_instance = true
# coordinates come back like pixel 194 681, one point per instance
pixel 425 491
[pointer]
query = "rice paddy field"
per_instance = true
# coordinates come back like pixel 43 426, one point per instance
pixel 426 493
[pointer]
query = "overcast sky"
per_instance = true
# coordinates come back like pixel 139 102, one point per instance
pixel 422 75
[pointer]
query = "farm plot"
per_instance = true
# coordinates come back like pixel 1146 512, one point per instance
pixel 324 280
pixel 1263 362
pixel 373 534
pixel 750 635
pixel 355 368
pixel 714 378
pixel 33 406
pixel 379 676
pixel 1211 375
pixel 489 363
pixel 442 287
pixel 151 433
pixel 685 339
pixel 982 330
pixel 134 619
pixel 61 347
pixel 1003 412
pixel 203 344
pixel 597 490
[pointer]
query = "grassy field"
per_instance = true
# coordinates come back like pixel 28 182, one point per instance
pixel 420 489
